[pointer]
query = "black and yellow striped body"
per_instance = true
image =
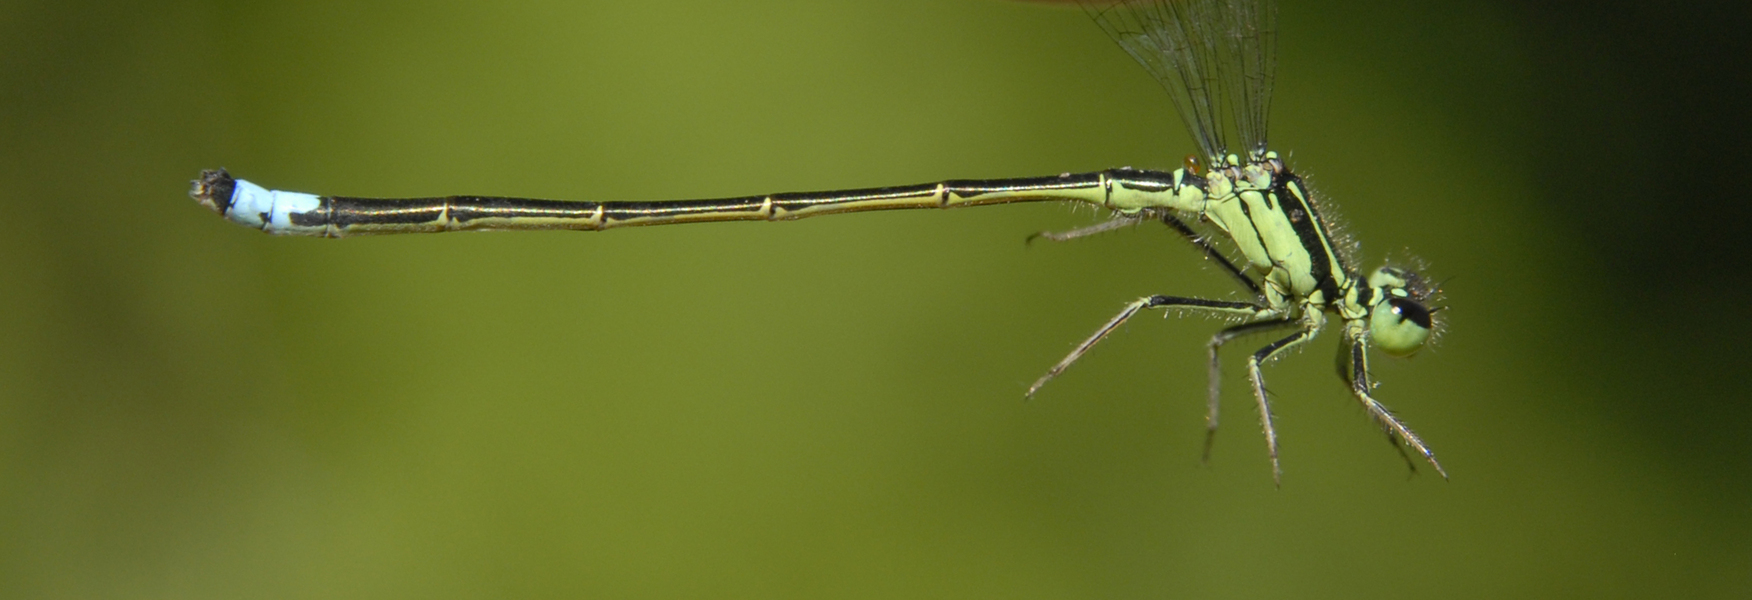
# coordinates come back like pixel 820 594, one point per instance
pixel 1271 216
pixel 1217 60
pixel 1123 190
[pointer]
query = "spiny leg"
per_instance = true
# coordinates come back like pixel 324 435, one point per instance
pixel 1310 327
pixel 1397 432
pixel 1221 306
pixel 1346 359
pixel 1212 253
pixel 1216 369
pixel 1179 226
pixel 1104 227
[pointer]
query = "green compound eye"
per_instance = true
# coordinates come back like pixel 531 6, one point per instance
pixel 1400 326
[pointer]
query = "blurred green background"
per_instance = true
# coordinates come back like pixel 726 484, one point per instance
pixel 832 408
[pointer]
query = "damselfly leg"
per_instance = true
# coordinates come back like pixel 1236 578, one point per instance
pixel 1223 307
pixel 1216 369
pixel 1355 372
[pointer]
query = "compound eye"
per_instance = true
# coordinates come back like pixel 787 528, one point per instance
pixel 1410 310
pixel 1400 326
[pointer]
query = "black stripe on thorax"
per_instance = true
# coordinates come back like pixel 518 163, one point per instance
pixel 1311 231
pixel 1253 225
pixel 1365 295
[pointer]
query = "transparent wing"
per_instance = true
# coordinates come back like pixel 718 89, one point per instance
pixel 1216 58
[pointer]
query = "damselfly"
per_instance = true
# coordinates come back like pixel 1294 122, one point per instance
pixel 1217 60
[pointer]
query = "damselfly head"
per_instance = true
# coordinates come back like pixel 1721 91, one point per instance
pixel 1400 322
